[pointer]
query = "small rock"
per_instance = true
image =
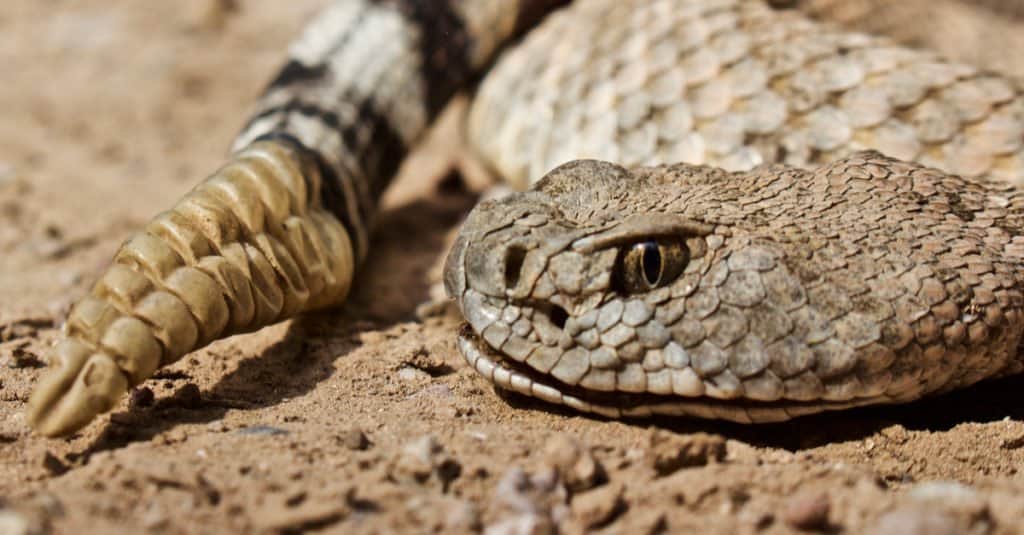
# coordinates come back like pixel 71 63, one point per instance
pixel 217 426
pixel 47 504
pixel 670 452
pixel 599 507
pixel 525 524
pixel 141 397
pixel 945 493
pixel 807 511
pixel 14 523
pixel 51 248
pixel 463 516
pixel 915 521
pixel 1013 442
pixel 756 520
pixel 154 517
pixel 53 465
pixel 370 337
pixel 413 375
pixel 576 464
pixel 511 491
pixel 187 397
pixel 22 358
pixel 307 517
pixel 67 278
pixel 354 439
pixel 649 522
pixel 423 460
pixel 428 362
pixel 30 515
pixel 262 430
pixel 519 492
pixel 24 327
pixel 173 436
pixel 955 498
pixel 417 457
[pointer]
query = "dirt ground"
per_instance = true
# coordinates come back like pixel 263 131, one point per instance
pixel 365 419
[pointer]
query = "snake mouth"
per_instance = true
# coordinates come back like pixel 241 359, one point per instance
pixel 508 374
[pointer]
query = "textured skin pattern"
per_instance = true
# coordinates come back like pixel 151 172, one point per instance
pixel 867 280
pixel 280 228
pixel 734 83
pixel 248 247
pixel 979 32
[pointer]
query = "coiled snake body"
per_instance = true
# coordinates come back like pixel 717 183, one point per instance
pixel 678 289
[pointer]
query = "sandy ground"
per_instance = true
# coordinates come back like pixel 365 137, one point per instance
pixel 365 419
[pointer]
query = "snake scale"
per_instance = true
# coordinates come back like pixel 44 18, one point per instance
pixel 783 269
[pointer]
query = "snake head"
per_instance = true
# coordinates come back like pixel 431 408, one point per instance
pixel 755 296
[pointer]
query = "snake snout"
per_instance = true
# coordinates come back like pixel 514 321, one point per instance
pixel 494 267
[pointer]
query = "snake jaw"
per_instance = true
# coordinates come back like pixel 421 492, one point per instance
pixel 513 376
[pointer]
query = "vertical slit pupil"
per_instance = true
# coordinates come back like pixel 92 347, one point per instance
pixel 651 262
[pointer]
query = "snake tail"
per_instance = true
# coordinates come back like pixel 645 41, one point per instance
pixel 250 246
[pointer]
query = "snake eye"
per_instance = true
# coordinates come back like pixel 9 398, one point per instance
pixel 650 264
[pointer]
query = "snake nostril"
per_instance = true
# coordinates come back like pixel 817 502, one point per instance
pixel 558 316
pixel 514 257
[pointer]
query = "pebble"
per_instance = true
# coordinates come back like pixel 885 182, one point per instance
pixel 31 515
pixel 417 457
pixel 410 374
pixel 915 521
pixel 956 499
pixel 427 361
pixel 950 495
pixel 807 511
pixel 669 452
pixel 423 461
pixel 307 517
pixel 527 503
pixel 463 516
pixel 522 525
pixel 262 430
pixel 187 397
pixel 25 327
pixel 576 464
pixel 217 426
pixel 141 397
pixel 13 523
pixel 19 357
pixel 1012 443
pixel 53 465
pixel 51 248
pixel 355 439
pixel 154 517
pixel 598 507
pixel 522 493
